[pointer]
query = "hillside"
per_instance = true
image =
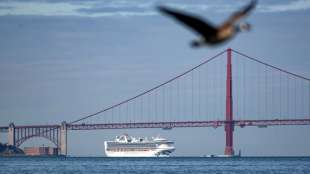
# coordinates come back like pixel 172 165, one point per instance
pixel 9 150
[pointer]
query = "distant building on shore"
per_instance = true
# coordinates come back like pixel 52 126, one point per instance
pixel 40 151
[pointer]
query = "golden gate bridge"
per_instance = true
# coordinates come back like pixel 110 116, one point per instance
pixel 230 89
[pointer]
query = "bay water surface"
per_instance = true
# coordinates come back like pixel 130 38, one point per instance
pixel 171 165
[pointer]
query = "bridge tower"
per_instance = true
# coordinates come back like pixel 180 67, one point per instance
pixel 11 134
pixel 63 139
pixel 229 126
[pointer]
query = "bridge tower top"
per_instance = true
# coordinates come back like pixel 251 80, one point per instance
pixel 11 125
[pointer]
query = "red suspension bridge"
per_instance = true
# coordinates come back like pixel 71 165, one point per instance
pixel 230 89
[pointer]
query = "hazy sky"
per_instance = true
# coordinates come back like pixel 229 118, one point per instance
pixel 62 59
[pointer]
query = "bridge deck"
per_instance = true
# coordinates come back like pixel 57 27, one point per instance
pixel 169 125
pixel 4 129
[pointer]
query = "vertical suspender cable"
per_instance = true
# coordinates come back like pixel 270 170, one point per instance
pixel 309 99
pixel 301 109
pixel 216 91
pixel 192 91
pixel 258 91
pixel 288 95
pixel 155 105
pixel 173 102
pixel 164 95
pixel 149 110
pixel 167 103
pixel 104 120
pixel 171 110
pixel 119 113
pixel 112 119
pixel 184 95
pixel 206 96
pixel 141 109
pixel 212 87
pixel 170 92
pixel 244 93
pixel 266 92
pixel 304 99
pixel 235 89
pixel 199 113
pixel 131 111
pixel 136 115
pixel 295 98
pixel 127 114
pixel 178 99
pixel 301 98
pixel 240 88
pixel 272 93
pixel 280 94
pixel 305 111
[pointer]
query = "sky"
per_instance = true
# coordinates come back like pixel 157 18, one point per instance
pixel 63 59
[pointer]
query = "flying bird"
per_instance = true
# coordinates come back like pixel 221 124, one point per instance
pixel 209 34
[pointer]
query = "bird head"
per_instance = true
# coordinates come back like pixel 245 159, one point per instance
pixel 244 26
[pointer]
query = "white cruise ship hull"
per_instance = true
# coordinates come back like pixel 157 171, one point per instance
pixel 158 152
pixel 134 154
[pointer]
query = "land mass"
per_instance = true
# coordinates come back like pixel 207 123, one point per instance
pixel 9 150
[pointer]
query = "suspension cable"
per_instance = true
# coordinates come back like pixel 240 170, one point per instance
pixel 282 70
pixel 148 91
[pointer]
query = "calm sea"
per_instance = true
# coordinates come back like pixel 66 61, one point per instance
pixel 76 165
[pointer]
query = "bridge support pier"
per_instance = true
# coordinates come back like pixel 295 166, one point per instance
pixel 63 139
pixel 229 126
pixel 11 135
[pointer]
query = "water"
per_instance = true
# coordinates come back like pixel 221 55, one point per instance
pixel 263 165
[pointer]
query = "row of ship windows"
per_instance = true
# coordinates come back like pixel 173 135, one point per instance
pixel 131 148
pixel 126 150
pixel 132 145
pixel 115 143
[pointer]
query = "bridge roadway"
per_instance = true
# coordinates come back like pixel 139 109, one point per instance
pixel 169 125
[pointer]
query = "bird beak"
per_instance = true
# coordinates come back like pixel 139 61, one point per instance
pixel 244 27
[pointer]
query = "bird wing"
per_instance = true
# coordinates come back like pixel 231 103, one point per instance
pixel 235 17
pixel 193 22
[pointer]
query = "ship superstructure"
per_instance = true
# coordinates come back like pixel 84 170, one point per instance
pixel 127 146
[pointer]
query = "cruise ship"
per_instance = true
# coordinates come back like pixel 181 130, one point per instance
pixel 127 146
